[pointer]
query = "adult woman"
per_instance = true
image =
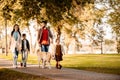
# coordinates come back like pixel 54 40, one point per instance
pixel 15 43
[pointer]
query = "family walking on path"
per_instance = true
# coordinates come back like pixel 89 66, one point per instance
pixel 19 44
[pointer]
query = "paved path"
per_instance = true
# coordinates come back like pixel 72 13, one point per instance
pixel 63 74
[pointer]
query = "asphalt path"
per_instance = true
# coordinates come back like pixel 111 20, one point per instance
pixel 60 74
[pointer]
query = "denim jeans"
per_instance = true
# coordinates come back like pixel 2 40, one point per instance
pixel 24 56
pixel 15 57
pixel 44 48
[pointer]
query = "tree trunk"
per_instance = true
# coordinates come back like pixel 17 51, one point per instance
pixel 101 47
pixel 67 48
pixel 92 49
pixel 58 32
pixel 31 47
pixel 118 45
pixel 6 47
pixel 36 42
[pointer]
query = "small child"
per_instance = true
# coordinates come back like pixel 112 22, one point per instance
pixel 58 54
pixel 25 49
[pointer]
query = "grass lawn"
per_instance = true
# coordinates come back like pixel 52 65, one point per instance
pixel 98 63
pixel 106 63
pixel 6 74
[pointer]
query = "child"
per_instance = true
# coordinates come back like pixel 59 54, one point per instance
pixel 25 49
pixel 58 54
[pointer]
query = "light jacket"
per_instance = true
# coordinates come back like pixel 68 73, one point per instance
pixel 15 44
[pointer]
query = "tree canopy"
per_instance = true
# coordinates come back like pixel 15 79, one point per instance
pixel 77 18
pixel 52 10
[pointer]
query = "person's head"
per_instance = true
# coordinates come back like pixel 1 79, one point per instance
pixel 58 41
pixel 24 36
pixel 43 23
pixel 15 28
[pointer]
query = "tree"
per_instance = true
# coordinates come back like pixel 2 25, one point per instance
pixel 57 12
pixel 6 14
pixel 114 20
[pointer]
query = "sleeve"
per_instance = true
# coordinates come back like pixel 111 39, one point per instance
pixel 50 34
pixel 38 36
pixel 28 45
pixel 20 41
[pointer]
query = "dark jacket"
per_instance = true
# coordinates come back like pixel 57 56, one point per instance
pixel 27 45
pixel 40 35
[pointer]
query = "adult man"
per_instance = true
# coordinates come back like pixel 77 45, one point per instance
pixel 44 35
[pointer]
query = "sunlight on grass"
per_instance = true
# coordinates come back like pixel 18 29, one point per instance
pixel 99 63
pixel 106 63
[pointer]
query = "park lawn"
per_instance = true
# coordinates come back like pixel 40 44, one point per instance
pixel 6 74
pixel 105 63
pixel 109 63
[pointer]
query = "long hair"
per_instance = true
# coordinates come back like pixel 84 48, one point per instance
pixel 14 30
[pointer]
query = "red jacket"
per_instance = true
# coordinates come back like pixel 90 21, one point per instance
pixel 40 35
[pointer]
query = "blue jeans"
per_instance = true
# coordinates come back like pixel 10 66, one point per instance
pixel 24 56
pixel 44 48
pixel 15 56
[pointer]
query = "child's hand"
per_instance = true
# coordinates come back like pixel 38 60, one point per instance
pixel 51 41
pixel 9 47
pixel 64 53
pixel 19 48
pixel 28 51
pixel 53 57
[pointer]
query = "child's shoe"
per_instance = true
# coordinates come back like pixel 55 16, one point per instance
pixel 14 66
pixel 25 65
pixel 60 66
pixel 21 64
pixel 57 66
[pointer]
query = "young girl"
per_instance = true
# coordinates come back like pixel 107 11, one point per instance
pixel 58 54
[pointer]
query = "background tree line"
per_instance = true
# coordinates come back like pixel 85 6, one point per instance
pixel 76 18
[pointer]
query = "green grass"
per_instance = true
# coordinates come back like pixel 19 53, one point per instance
pixel 98 63
pixel 106 63
pixel 6 74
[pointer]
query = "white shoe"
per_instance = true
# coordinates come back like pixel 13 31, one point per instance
pixel 14 66
pixel 43 66
pixel 49 67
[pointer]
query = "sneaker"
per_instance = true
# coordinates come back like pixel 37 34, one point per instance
pixel 49 67
pixel 14 66
pixel 25 65
pixel 57 66
pixel 60 66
